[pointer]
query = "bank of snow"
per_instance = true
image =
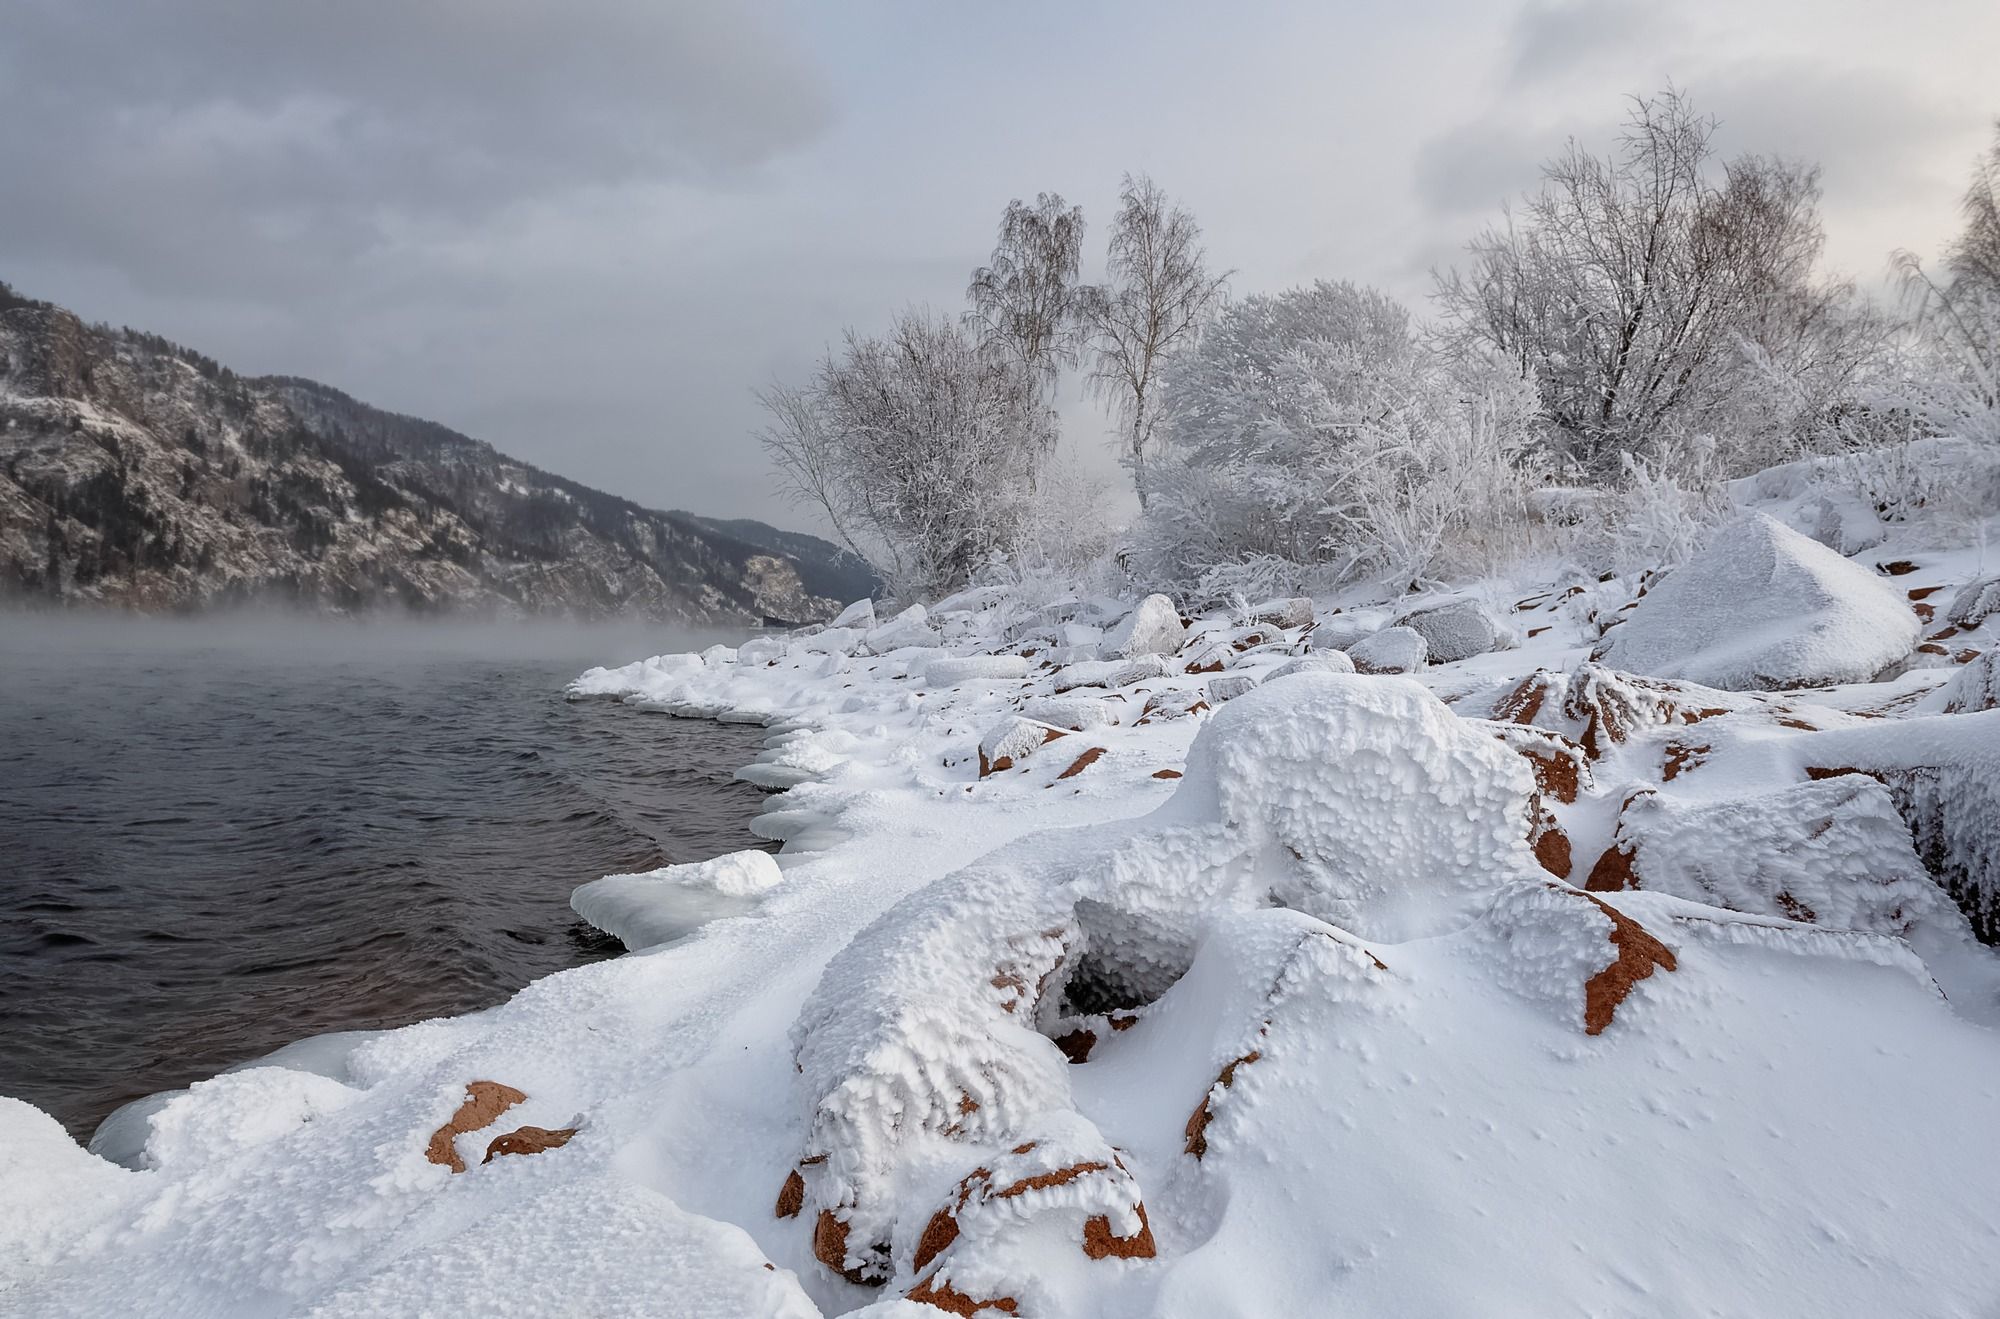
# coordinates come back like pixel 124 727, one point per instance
pixel 1119 964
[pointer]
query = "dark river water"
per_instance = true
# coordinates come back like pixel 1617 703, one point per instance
pixel 219 837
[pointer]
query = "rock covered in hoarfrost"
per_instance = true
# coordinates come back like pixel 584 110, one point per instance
pixel 1295 612
pixel 967 668
pixel 910 628
pixel 1076 713
pixel 829 641
pixel 1976 686
pixel 860 614
pixel 1762 607
pixel 1229 687
pixel 1832 853
pixel 1338 632
pixel 1318 661
pixel 1360 801
pixel 1456 630
pixel 1975 602
pixel 1008 744
pixel 1152 628
pixel 1392 650
pixel 658 906
pixel 1110 673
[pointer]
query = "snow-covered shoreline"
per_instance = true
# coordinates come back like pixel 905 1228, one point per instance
pixel 1116 963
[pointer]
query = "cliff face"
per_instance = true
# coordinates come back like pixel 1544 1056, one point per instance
pixel 135 472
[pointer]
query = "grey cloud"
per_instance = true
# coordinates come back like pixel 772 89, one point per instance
pixel 1477 167
pixel 219 143
pixel 1553 39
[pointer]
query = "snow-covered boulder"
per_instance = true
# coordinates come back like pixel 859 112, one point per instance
pixel 1318 661
pixel 1363 802
pixel 967 668
pixel 830 641
pixel 1076 713
pixel 1392 650
pixel 1976 686
pixel 1230 686
pixel 1295 612
pixel 1763 607
pixel 657 906
pixel 860 614
pixel 1456 630
pixel 1976 602
pixel 1832 853
pixel 1153 628
pixel 910 628
pixel 1340 631
pixel 1012 742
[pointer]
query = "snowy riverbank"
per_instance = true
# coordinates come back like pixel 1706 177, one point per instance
pixel 1121 964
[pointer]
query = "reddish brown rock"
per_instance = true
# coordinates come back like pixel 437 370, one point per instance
pixel 528 1140
pixel 942 1296
pixel 1099 1243
pixel 1638 953
pixel 1166 773
pixel 1081 763
pixel 484 1102
pixel 1197 1124
pixel 792 1195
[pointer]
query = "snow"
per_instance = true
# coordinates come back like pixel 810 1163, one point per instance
pixel 1763 607
pixel 1242 992
pixel 659 906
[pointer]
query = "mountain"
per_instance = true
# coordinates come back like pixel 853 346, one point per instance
pixel 139 473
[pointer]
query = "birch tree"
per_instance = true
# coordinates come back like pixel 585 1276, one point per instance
pixel 1157 289
pixel 1024 304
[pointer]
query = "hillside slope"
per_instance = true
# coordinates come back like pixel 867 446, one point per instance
pixel 138 473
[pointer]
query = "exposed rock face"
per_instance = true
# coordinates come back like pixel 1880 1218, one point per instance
pixel 1762 607
pixel 140 474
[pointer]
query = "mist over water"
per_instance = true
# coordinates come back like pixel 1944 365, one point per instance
pixel 220 835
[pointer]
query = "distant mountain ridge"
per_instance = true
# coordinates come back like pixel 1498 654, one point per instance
pixel 136 472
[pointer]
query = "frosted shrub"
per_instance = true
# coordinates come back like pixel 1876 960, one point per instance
pixel 1312 437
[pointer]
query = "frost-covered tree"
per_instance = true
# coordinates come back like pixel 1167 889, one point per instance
pixel 1657 292
pixel 1315 432
pixel 1954 369
pixel 1157 289
pixel 1024 304
pixel 918 447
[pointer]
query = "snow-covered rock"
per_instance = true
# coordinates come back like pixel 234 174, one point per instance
pixel 1317 661
pixel 1392 650
pixel 966 668
pixel 1008 744
pixel 860 614
pixel 1152 628
pixel 644 910
pixel 1832 853
pixel 1295 612
pixel 1975 602
pixel 1762 607
pixel 1076 713
pixel 1340 631
pixel 1455 630
pixel 1976 685
pixel 909 628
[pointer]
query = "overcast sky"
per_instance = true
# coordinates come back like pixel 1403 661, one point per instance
pixel 587 231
